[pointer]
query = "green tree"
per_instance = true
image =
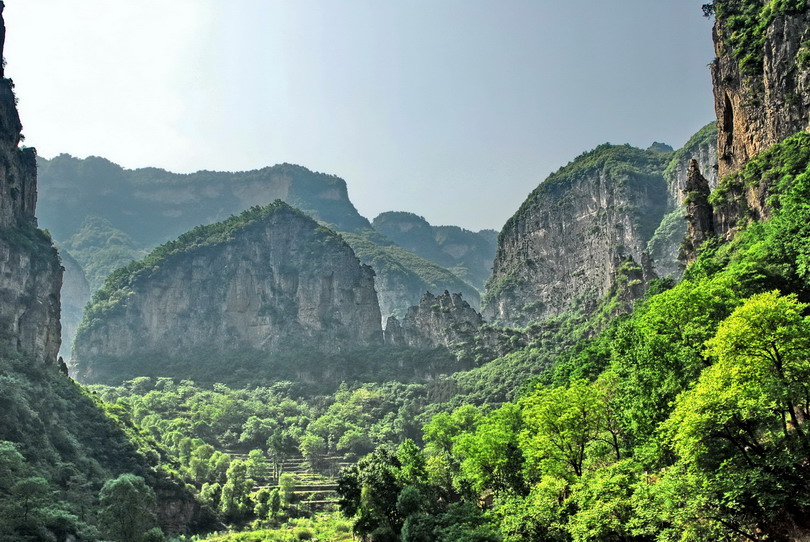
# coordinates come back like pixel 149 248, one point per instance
pixel 235 501
pixel 491 457
pixel 286 486
pixel 127 507
pixel 740 432
pixel 560 423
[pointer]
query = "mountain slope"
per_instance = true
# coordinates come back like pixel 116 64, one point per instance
pixel 467 254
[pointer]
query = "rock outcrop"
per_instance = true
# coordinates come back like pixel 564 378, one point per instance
pixel 761 77
pixel 699 219
pixel 701 147
pixel 562 249
pixel 268 280
pixel 30 275
pixel 444 320
pixel 665 246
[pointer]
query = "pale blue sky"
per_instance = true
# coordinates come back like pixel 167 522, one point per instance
pixel 452 109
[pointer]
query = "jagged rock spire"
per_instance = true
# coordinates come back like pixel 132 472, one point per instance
pixel 700 224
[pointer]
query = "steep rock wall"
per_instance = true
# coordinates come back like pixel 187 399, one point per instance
pixel 30 275
pixel 563 247
pixel 761 77
pixel 269 279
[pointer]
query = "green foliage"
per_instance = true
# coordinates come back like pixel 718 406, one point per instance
pixel 685 420
pixel 235 501
pixel 55 431
pixel 127 508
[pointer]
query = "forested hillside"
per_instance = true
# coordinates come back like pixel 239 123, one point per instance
pixel 640 373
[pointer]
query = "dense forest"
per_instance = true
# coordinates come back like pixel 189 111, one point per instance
pixel 653 386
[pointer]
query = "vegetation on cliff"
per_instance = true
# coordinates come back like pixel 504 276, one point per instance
pixel 745 24
pixel 686 418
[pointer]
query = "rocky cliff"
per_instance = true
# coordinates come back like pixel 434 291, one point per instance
pixel 761 76
pixel 468 254
pixel 561 251
pixel 268 280
pixel 30 275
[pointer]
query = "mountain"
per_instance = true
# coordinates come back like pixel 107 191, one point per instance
pixel 152 205
pixel 105 216
pixel 467 254
pixel 269 281
pixel 563 249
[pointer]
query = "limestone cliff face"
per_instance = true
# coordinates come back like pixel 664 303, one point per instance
pixel 30 275
pixel 562 249
pixel 761 92
pixel 30 279
pixel 269 279
pixel 75 295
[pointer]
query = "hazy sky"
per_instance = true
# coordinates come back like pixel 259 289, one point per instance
pixel 452 109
